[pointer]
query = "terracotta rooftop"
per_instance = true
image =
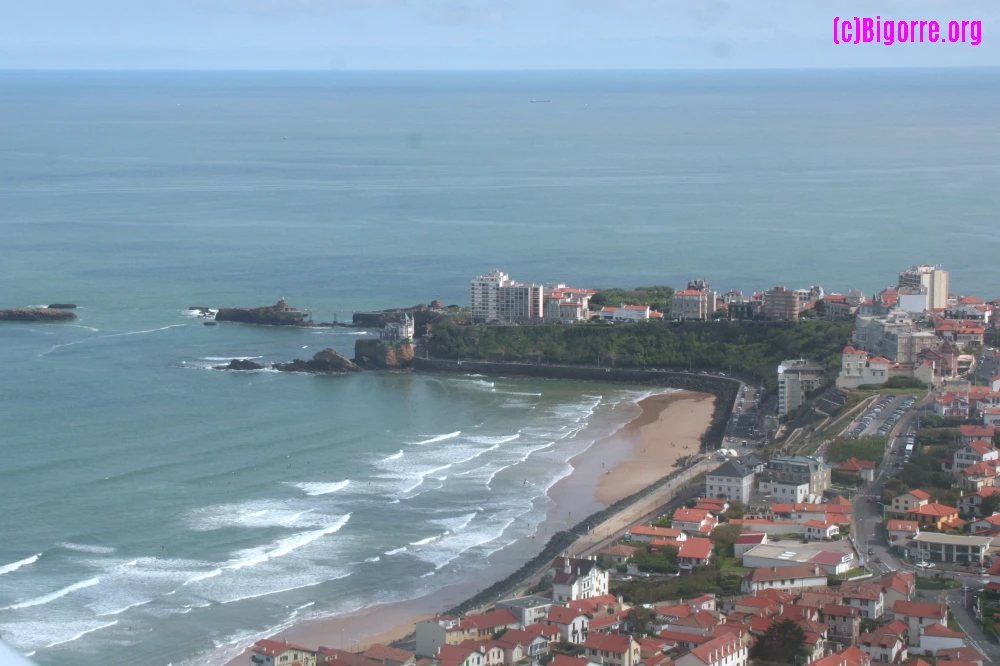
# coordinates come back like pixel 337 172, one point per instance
pixel 920 608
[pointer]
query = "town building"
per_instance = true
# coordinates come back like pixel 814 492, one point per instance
pixel 567 305
pixel 433 633
pixel 865 596
pixel 933 515
pixel 939 637
pixel 970 505
pixel 791 578
pixel 949 548
pixel 649 533
pixel 527 610
pixel 747 541
pixel 612 649
pixel 734 481
pixel 917 615
pixel 695 552
pixel 496 299
pixel 399 331
pixel 694 520
pixel 931 278
pixel 794 471
pixel 726 650
pixel 782 304
pixel 389 656
pixel 797 378
pixel 572 623
pixel 268 652
pixel 619 554
pixel 911 500
pixel 628 313
pixel 970 433
pixel 897 586
pixel 901 531
pixel 698 302
pixel 884 648
pixel 843 623
pixel 863 469
pixel 574 578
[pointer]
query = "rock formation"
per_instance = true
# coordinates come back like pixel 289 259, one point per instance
pixel 279 314
pixel 62 306
pixel 35 314
pixel 379 355
pixel 328 361
pixel 240 364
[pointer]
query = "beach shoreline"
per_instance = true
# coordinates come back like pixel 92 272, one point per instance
pixel 638 454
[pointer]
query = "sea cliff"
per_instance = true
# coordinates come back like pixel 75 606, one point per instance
pixel 279 314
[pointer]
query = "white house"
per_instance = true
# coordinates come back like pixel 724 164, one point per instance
pixel 819 530
pixel 574 578
pixel 909 501
pixel 974 452
pixel 785 491
pixel 572 624
pixel 866 597
pixel 748 541
pixel 939 637
pixel 733 481
pixel 626 313
pixel 726 650
pixel 793 578
pixel 917 615
pixel 694 520
pixel 884 647
pixel 277 653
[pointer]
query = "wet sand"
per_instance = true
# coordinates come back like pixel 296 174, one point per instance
pixel 640 453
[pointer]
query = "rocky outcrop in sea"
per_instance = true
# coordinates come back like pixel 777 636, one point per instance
pixel 36 314
pixel 326 362
pixel 279 314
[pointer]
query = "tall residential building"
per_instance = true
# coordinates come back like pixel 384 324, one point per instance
pixel 934 279
pixel 698 301
pixel 781 303
pixel 804 470
pixel 796 378
pixel 496 299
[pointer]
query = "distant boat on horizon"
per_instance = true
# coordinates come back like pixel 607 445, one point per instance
pixel 541 101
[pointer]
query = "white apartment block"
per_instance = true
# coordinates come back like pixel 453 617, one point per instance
pixel 496 299
pixel 796 378
pixel 934 279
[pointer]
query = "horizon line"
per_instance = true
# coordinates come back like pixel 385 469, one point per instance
pixel 329 70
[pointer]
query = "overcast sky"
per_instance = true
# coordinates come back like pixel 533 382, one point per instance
pixel 472 34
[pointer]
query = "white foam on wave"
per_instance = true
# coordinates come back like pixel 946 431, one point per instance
pixel 424 542
pixel 285 589
pixel 373 559
pixel 319 488
pixel 283 547
pixel 394 456
pixel 89 328
pixel 14 566
pixel 230 358
pixel 457 523
pixel 131 564
pixel 81 634
pixel 122 610
pixel 203 576
pixel 439 438
pixel 113 335
pixel 255 514
pixel 449 548
pixel 421 476
pixel 494 439
pixel 428 574
pixel 86 548
pixel 395 551
pixel 525 393
pixel 52 596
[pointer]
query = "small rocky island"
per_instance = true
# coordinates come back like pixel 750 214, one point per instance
pixel 326 362
pixel 279 314
pixel 36 314
pixel 368 354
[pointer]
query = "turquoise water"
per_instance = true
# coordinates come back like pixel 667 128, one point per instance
pixel 195 509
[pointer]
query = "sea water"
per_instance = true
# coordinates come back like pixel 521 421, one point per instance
pixel 158 510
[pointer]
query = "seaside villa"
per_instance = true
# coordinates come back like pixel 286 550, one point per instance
pixel 574 578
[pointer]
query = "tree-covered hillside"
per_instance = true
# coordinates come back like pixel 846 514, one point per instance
pixel 749 347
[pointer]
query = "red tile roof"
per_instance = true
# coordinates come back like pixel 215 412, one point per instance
pixel 981 446
pixel 870 591
pixel 500 618
pixel 563 615
pixel 619 550
pixel 683 637
pixel 894 627
pixel 898 525
pixel 780 573
pixel 934 509
pixel 566 660
pixel 840 610
pixel 920 609
pixel 619 643
pixel 751 537
pixel 938 629
pixel 960 654
pixel 649 530
pixel 919 494
pixel 692 515
pixel 718 649
pixel 379 652
pixel 699 549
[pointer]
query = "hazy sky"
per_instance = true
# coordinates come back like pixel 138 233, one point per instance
pixel 472 34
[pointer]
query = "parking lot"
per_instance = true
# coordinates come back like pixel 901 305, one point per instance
pixel 881 417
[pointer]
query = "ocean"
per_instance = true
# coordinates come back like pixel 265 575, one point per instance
pixel 157 510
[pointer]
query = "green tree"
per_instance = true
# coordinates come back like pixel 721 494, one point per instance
pixel 724 537
pixel 782 643
pixel 639 619
pixel 989 505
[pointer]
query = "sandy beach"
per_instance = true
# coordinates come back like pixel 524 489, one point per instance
pixel 641 452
